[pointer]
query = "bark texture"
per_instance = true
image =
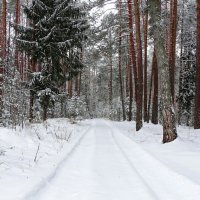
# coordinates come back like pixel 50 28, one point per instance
pixel 168 115
pixel 139 100
pixel 120 63
pixel 145 29
pixel 70 86
pixel 132 45
pixel 3 31
pixel 154 116
pixel 17 21
pixel 130 90
pixel 172 47
pixel 150 90
pixel 197 92
pixel 132 58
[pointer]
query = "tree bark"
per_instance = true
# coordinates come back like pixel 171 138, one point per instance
pixel 154 116
pixel 120 63
pixel 110 70
pixel 145 28
pixel 132 58
pixel 76 84
pixel 139 100
pixel 70 86
pixel 44 116
pixel 172 47
pixel 31 106
pixel 3 31
pixel 197 92
pixel 132 45
pixel 150 90
pixel 17 21
pixel 168 114
pixel 130 114
pixel 181 63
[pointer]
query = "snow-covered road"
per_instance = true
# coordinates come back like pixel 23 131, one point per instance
pixel 106 165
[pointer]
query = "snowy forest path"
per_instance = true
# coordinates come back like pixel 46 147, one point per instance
pixel 106 165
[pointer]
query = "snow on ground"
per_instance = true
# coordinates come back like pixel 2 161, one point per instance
pixel 19 173
pixel 98 160
pixel 181 155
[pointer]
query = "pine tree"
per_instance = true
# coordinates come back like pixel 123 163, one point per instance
pixel 54 38
pixel 168 115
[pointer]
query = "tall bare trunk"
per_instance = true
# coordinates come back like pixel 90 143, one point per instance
pixel 154 116
pixel 139 101
pixel 31 103
pixel 3 32
pixel 181 63
pixel 120 63
pixel 145 29
pixel 150 89
pixel 76 84
pixel 197 92
pixel 166 29
pixel 70 86
pixel 130 90
pixel 110 71
pixel 172 47
pixel 168 115
pixel 17 21
pixel 44 116
pixel 80 79
pixel 132 58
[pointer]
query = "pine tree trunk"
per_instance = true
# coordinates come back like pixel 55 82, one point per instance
pixel 31 106
pixel 139 68
pixel 76 84
pixel 150 91
pixel 17 21
pixel 130 90
pixel 168 115
pixel 166 30
pixel 110 71
pixel 154 118
pixel 3 31
pixel 80 79
pixel 197 92
pixel 128 64
pixel 70 86
pixel 44 116
pixel 132 58
pixel 181 64
pixel 120 64
pixel 172 47
pixel 145 28
pixel 132 46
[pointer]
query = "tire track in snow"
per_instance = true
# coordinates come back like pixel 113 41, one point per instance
pixel 46 182
pixel 146 185
pixel 165 183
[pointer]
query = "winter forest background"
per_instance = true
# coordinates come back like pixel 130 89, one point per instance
pixel 122 60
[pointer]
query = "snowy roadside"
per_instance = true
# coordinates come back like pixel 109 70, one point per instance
pixel 181 155
pixel 95 165
pixel 29 155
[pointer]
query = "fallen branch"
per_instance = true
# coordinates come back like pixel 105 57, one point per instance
pixel 37 153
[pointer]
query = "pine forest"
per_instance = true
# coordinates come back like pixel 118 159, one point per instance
pixel 135 63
